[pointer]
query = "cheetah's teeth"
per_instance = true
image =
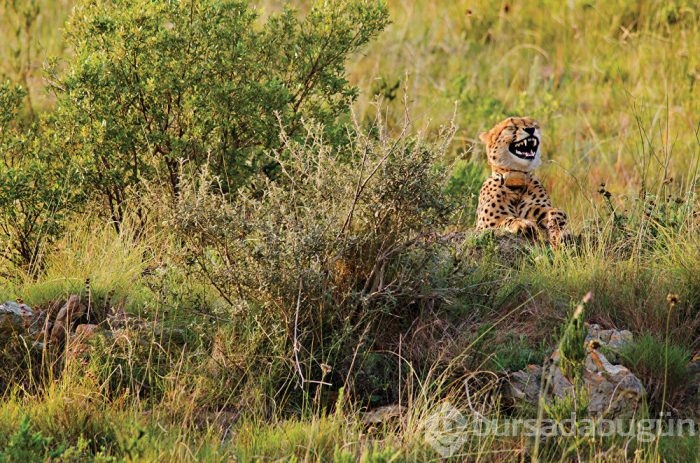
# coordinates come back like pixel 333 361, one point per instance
pixel 526 148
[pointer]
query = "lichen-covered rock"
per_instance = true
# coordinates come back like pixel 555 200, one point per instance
pixel 611 340
pixel 525 384
pixel 613 390
pixel 14 317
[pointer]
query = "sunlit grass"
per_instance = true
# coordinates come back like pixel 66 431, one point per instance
pixel 31 34
pixel 89 250
pixel 614 85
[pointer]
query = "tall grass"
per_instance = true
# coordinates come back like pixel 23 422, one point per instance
pixel 31 34
pixel 614 85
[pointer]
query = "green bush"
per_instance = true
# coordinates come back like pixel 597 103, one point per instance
pixel 154 85
pixel 25 445
pixel 331 258
pixel 38 183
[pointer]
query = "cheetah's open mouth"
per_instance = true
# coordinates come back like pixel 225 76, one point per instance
pixel 525 148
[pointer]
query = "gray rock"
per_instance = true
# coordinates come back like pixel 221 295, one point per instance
pixel 525 384
pixel 613 390
pixel 14 317
pixel 612 341
pixel 383 415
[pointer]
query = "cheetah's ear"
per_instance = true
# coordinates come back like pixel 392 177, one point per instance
pixel 485 137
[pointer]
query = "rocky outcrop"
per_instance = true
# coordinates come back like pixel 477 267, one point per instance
pixel 41 327
pixel 613 390
pixel 66 324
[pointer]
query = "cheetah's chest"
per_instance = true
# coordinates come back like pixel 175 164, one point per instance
pixel 517 200
pixel 531 202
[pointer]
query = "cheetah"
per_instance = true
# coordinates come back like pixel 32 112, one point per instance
pixel 512 198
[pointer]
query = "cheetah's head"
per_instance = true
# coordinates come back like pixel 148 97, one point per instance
pixel 513 144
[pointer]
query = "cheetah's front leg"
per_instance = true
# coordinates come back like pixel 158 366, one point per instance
pixel 519 225
pixel 555 224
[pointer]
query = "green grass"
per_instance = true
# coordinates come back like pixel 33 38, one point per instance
pixel 31 33
pixel 615 87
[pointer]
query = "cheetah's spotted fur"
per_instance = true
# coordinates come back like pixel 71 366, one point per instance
pixel 512 198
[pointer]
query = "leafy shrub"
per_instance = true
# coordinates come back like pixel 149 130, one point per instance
pixel 154 85
pixel 24 445
pixel 37 183
pixel 328 260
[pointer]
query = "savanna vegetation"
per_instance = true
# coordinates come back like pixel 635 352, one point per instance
pixel 266 209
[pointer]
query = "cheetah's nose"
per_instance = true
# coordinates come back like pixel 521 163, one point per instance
pixel 530 130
